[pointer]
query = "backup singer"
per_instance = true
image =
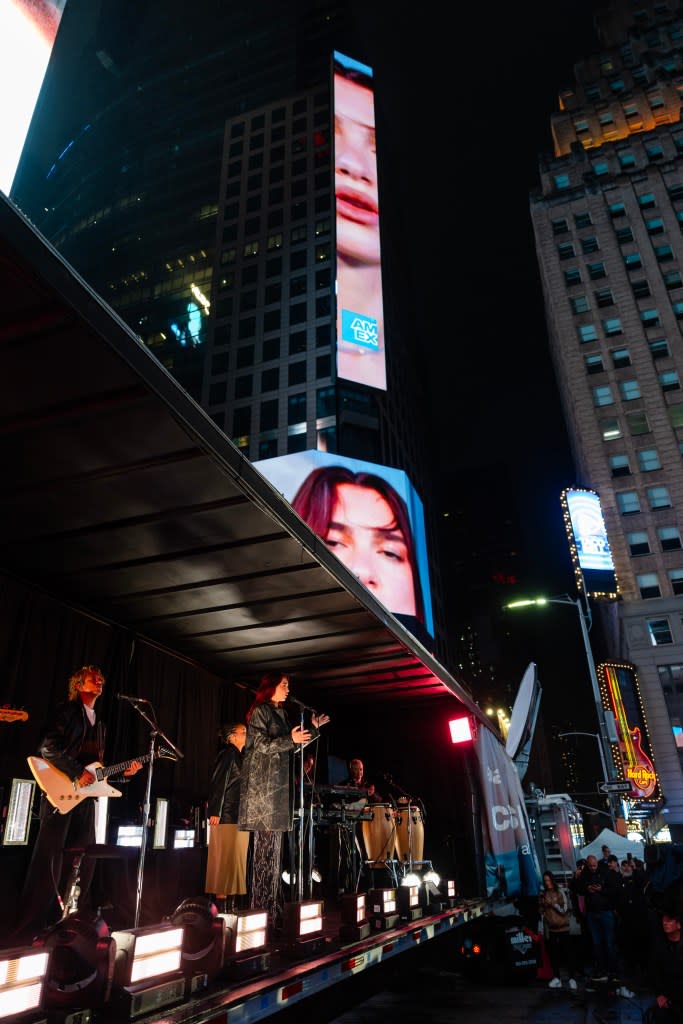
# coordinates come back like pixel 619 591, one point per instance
pixel 226 867
pixel 75 738
pixel 266 804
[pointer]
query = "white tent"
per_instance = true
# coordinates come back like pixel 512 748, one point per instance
pixel 618 845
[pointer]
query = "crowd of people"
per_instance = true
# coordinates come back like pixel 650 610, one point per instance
pixel 609 927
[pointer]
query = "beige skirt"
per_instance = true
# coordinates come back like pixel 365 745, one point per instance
pixel 226 866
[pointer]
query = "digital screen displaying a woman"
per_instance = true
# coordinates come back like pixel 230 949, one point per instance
pixel 365 522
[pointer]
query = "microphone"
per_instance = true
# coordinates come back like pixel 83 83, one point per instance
pixel 133 700
pixel 300 703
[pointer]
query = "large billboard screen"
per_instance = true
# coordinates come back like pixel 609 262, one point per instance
pixel 27 34
pixel 360 318
pixel 620 694
pixel 590 550
pixel 371 518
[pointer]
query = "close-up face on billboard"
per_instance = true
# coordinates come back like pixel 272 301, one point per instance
pixel 360 319
pixel 27 33
pixel 369 516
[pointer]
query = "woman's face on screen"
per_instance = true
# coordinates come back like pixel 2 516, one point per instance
pixel 364 535
pixel 356 172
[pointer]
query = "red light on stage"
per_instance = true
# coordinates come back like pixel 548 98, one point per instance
pixel 461 729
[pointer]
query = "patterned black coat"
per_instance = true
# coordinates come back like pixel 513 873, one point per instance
pixel 266 803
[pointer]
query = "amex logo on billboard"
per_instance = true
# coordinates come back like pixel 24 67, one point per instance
pixel 588 543
pixel 371 518
pixel 360 317
pixel 620 694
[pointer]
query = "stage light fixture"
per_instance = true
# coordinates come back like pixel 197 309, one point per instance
pixel 448 892
pixel 383 908
pixel 461 730
pixel 431 876
pixel 354 918
pixel 204 934
pixel 22 976
pixel 81 962
pixel 245 943
pixel 147 972
pixel 129 835
pixel 160 823
pixel 302 927
pixel 101 819
pixel 18 821
pixel 409 901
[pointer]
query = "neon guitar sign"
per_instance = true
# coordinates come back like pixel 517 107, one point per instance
pixel 638 768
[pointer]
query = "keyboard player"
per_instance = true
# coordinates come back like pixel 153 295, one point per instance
pixel 356 779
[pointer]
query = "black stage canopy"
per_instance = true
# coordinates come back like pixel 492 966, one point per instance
pixel 123 498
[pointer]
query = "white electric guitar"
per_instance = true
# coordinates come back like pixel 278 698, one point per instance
pixel 64 793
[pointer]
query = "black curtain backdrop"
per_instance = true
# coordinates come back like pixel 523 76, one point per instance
pixel 42 642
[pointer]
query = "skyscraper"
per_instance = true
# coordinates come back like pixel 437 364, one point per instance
pixel 182 162
pixel 607 218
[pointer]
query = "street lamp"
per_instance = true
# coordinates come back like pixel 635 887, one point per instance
pixel 585 621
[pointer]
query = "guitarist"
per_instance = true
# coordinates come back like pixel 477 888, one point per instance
pixel 74 738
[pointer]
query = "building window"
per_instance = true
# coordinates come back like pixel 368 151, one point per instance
pixel 648 585
pixel 641 289
pixel 269 414
pixel 589 245
pixel 676 580
pixel 669 380
pixel 296 409
pixel 244 386
pixel 323 366
pixel 270 380
pixel 297 343
pixel 561 181
pixel 297 373
pixel 669 538
pixel 610 429
pixel 620 358
pixel 572 277
pixel 659 631
pixel 673 280
pixel 664 253
pixel 630 389
pixel 241 421
pixel 655 226
pixel 675 415
pixel 580 304
pixel 650 317
pixel 624 235
pixel 325 402
pixel 582 220
pixel 678 309
pixel 272 320
pixel 604 298
pixel 659 348
pixel 638 543
pixel 560 227
pixel 594 364
pixel 619 465
pixel 271 349
pixel 587 332
pixel 648 460
pixel 566 251
pixel 245 357
pixel 612 327
pixel 596 271
pixel 658 497
pixel 633 261
pixel 628 502
pixel 267 449
pixel 637 423
pixel 647 201
pixel 603 396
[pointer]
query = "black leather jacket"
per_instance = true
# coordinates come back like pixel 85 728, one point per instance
pixel 62 744
pixel 224 788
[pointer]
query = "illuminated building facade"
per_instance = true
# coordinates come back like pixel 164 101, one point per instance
pixel 607 218
pixel 189 179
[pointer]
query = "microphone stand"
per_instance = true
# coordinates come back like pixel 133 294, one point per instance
pixel 155 731
pixel 301 810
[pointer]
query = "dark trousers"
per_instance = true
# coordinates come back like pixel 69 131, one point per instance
pixel 38 906
pixel 561 953
pixel 602 926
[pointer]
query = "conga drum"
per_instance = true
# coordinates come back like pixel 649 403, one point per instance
pixel 379 833
pixel 410 833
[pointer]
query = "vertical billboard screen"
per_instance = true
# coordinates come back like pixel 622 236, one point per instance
pixel 620 694
pixel 360 318
pixel 590 550
pixel 27 33
pixel 371 518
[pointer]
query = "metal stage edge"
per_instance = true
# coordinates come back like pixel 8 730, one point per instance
pixel 294 982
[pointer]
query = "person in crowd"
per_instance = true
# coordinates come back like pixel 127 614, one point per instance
pixel 226 866
pixel 360 327
pixel 667 967
pixel 600 888
pixel 357 780
pixel 613 864
pixel 74 738
pixel 605 853
pixel 365 523
pixel 554 905
pixel 266 797
pixel 633 923
pixel 578 900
